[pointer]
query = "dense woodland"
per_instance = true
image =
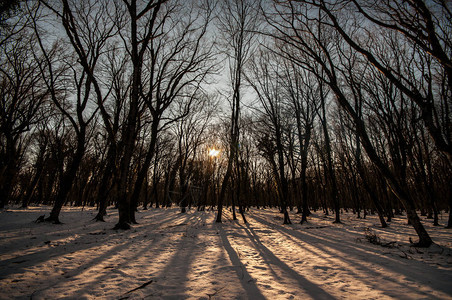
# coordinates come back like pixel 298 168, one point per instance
pixel 301 105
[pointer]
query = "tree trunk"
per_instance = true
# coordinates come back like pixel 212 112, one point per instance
pixel 224 184
pixel 8 165
pixel 449 222
pixel 284 188
pixel 330 165
pixel 106 183
pixel 143 172
pixel 68 180
pixel 304 184
pixel 32 186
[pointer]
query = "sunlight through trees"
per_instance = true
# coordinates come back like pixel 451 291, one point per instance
pixel 330 106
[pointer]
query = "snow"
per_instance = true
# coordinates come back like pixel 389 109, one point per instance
pixel 170 255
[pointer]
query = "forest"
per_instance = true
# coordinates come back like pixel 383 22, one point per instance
pixel 314 106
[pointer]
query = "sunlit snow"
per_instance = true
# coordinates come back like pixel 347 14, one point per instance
pixel 170 255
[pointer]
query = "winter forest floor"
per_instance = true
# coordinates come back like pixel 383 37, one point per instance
pixel 170 255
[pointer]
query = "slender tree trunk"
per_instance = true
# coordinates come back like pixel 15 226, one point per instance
pixel 399 192
pixel 8 165
pixel 329 159
pixel 129 138
pixel 6 186
pixel 143 172
pixel 68 179
pixel 32 186
pixel 224 184
pixel 130 129
pixel 155 182
pixel 183 191
pixel 449 222
pixel 106 183
pixel 304 184
pixel 234 196
pixel 284 188
pixel 234 143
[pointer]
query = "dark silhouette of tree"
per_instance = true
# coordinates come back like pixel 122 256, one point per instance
pixel 311 43
pixel 237 21
pixel 264 80
pixel 303 96
pixel 23 95
pixel 179 61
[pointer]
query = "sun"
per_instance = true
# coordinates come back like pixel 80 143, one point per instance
pixel 214 152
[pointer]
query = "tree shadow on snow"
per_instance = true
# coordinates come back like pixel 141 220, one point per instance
pixel 249 285
pixel 351 257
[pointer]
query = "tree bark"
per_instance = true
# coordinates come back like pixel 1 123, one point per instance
pixel 106 183
pixel 68 179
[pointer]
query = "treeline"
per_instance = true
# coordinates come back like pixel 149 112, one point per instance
pixel 312 106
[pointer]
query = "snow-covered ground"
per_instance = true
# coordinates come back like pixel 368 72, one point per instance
pixel 170 255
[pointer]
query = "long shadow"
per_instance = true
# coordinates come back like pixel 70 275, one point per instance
pixel 73 272
pixel 125 259
pixel 93 262
pixel 312 289
pixel 19 264
pixel 156 213
pixel 414 271
pixel 48 233
pixel 245 236
pixel 250 286
pixel 326 254
pixel 46 253
pixel 321 241
pixel 128 262
pixel 23 262
pixel 181 260
pixel 350 268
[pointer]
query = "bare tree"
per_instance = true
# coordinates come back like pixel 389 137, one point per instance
pixel 116 65
pixel 304 36
pixel 425 27
pixel 356 74
pixel 238 19
pixel 190 133
pixel 303 94
pixel 177 61
pixel 267 84
pixel 329 163
pixel 23 95
pixel 42 157
pixel 62 74
pixel 13 20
